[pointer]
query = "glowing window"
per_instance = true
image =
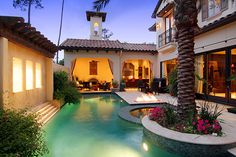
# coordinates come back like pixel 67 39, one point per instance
pixel 38 75
pixel 29 75
pixel 96 28
pixel 17 75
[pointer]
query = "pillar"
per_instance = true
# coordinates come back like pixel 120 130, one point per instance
pixel 49 79
pixel 4 71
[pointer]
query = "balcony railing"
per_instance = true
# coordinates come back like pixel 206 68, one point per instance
pixel 166 37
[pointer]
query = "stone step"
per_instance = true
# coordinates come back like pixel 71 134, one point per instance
pixel 43 109
pixel 232 151
pixel 48 115
pixel 46 110
pixel 38 107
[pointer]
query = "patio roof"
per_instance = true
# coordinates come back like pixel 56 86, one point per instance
pixel 153 28
pixel 90 14
pixel 15 29
pixel 112 45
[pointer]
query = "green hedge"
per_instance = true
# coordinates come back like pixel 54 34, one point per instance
pixel 64 89
pixel 20 135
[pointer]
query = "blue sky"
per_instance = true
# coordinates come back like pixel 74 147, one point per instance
pixel 129 20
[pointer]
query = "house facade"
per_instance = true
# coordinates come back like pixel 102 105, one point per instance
pixel 26 58
pixel 215 46
pixel 100 60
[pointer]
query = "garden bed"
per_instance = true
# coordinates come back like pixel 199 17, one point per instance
pixel 187 144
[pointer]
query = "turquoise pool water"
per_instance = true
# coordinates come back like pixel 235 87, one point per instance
pixel 92 128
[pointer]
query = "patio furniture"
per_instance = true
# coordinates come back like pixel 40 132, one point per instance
pixel 86 85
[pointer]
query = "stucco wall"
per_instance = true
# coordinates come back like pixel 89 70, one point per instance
pixel 26 98
pixel 57 67
pixel 216 38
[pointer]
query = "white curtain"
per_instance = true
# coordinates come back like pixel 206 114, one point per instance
pixel 199 65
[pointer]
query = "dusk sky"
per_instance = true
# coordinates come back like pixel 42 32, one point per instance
pixel 129 20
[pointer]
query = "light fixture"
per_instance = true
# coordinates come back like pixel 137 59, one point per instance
pixel 158 26
pixel 145 146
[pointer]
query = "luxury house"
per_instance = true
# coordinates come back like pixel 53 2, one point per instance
pixel 97 61
pixel 26 64
pixel 215 46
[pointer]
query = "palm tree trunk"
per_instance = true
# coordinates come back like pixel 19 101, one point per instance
pixel 186 77
pixel 185 22
pixel 29 11
pixel 59 38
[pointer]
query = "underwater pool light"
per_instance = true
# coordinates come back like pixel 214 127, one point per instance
pixel 145 146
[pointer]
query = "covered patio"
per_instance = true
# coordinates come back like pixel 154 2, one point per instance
pixel 92 74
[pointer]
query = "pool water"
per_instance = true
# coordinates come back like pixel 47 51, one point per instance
pixel 92 128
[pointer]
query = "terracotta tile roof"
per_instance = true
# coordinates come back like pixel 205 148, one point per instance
pixel 139 47
pixel 90 44
pixel 218 23
pixel 85 44
pixel 15 29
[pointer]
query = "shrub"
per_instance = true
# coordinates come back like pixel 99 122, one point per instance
pixel 172 82
pixel 64 89
pixel 20 135
pixel 71 95
pixel 165 116
pixel 60 80
pixel 157 114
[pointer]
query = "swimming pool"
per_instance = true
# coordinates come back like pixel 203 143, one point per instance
pixel 92 128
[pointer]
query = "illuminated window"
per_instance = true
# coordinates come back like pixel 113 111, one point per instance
pixel 96 28
pixel 211 8
pixel 17 75
pixel 38 74
pixel 93 68
pixel 29 75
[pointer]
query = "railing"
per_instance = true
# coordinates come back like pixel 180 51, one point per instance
pixel 166 37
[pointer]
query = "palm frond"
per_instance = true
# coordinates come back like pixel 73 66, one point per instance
pixel 98 5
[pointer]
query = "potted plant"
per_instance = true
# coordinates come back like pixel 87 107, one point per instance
pixel 115 86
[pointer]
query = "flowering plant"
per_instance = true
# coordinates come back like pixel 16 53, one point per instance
pixel 206 122
pixel 203 122
pixel 157 114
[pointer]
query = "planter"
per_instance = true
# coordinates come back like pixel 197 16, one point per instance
pixel 113 90
pixel 187 144
pixel 57 103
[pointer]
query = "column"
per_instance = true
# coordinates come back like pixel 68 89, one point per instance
pixel 4 71
pixel 49 79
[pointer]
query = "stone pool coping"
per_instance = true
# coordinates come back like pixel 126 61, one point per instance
pixel 124 112
pixel 155 128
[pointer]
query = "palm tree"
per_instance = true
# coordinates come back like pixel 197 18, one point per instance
pixel 185 21
pixel 26 4
pixel 99 4
pixel 59 37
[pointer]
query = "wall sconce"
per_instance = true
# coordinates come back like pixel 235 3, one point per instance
pixel 158 25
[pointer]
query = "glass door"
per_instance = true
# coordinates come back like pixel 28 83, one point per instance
pixel 233 74
pixel 216 74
